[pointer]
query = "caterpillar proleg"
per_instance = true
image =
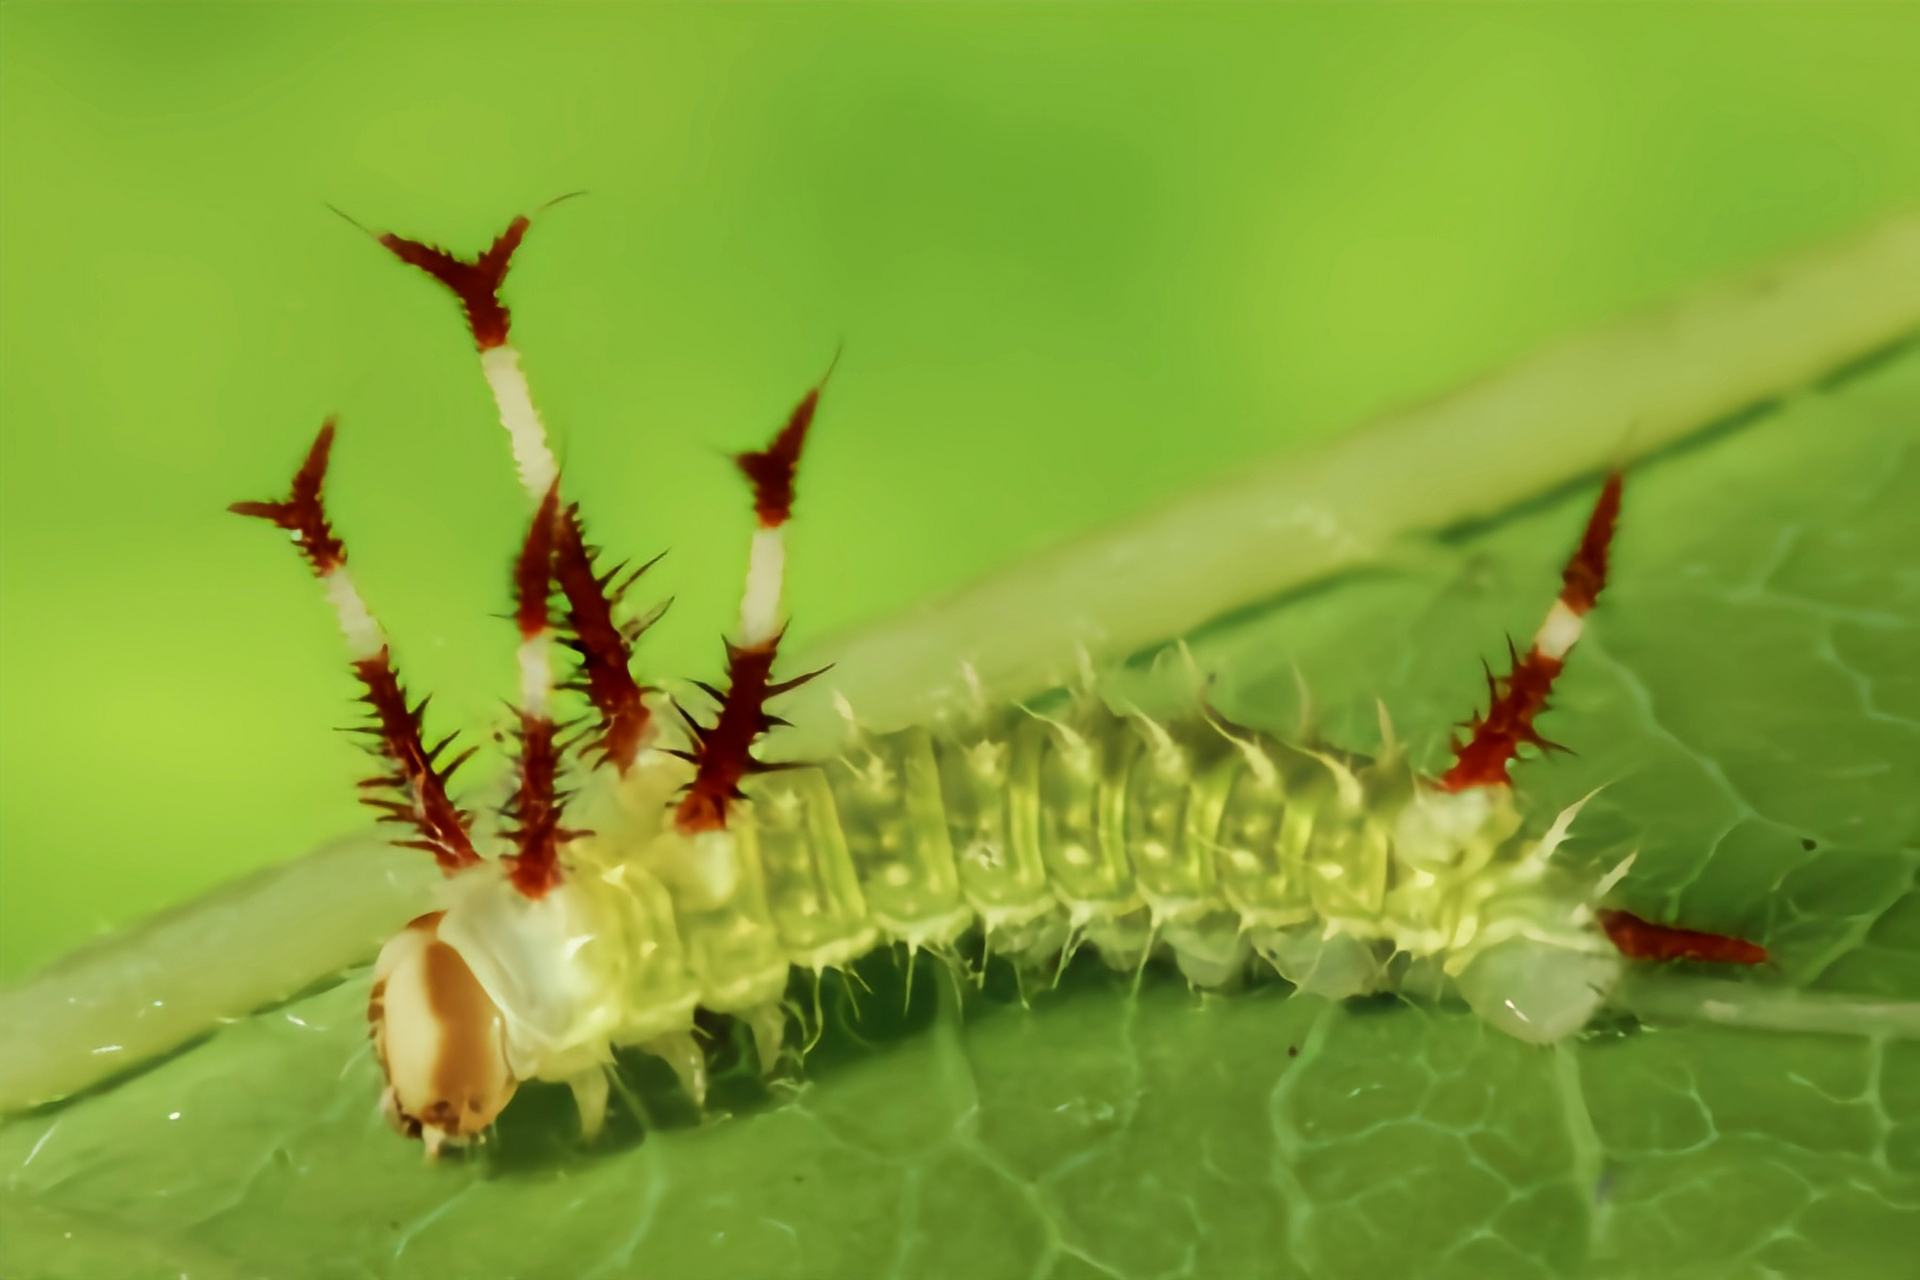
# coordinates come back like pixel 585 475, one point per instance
pixel 690 873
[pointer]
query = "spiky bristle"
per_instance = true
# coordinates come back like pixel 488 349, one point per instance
pixel 415 790
pixel 536 809
pixel 722 753
pixel 1638 939
pixel 1513 701
pixel 533 569
pixel 605 648
pixel 1517 698
pixel 534 866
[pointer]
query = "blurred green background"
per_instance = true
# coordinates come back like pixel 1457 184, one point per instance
pixel 1080 258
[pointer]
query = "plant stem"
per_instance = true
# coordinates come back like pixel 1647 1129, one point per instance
pixel 1573 409
pixel 1656 996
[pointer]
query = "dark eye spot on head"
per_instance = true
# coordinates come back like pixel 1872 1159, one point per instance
pixel 1293 1051
pixel 1809 843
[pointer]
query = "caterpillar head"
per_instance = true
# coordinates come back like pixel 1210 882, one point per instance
pixel 440 1040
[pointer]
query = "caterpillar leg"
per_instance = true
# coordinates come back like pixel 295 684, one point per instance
pixel 682 1052
pixel 590 1097
pixel 768 1023
pixel 1212 950
pixel 1335 967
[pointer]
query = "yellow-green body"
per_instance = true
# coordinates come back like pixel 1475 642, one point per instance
pixel 1119 833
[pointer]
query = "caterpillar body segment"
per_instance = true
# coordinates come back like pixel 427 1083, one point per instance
pixel 1101 831
pixel 693 875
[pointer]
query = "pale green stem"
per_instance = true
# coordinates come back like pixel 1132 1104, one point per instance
pixel 115 1003
pixel 1659 996
pixel 1570 410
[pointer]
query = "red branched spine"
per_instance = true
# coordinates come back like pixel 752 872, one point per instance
pixel 1513 701
pixel 535 810
pixel 475 281
pixel 1517 699
pixel 1586 572
pixel 414 790
pixel 722 754
pixel 303 513
pixel 533 570
pixel 604 648
pixel 771 470
pixel 1639 939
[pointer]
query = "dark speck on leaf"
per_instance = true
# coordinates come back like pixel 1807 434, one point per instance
pixel 1293 1051
pixel 1809 843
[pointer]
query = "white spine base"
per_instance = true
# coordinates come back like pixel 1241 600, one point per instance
pixel 364 639
pixel 536 673
pixel 531 456
pixel 766 575
pixel 1560 632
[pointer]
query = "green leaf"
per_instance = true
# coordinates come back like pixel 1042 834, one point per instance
pixel 1749 699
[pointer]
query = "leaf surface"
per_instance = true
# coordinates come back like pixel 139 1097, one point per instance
pixel 1749 699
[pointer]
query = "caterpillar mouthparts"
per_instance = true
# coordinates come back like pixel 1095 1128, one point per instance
pixel 698 875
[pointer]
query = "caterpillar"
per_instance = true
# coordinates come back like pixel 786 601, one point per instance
pixel 652 863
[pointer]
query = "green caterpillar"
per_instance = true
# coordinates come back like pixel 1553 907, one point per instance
pixel 699 875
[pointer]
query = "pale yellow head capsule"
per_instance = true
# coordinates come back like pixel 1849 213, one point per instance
pixel 440 1040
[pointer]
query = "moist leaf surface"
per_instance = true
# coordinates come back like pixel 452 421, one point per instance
pixel 1749 698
